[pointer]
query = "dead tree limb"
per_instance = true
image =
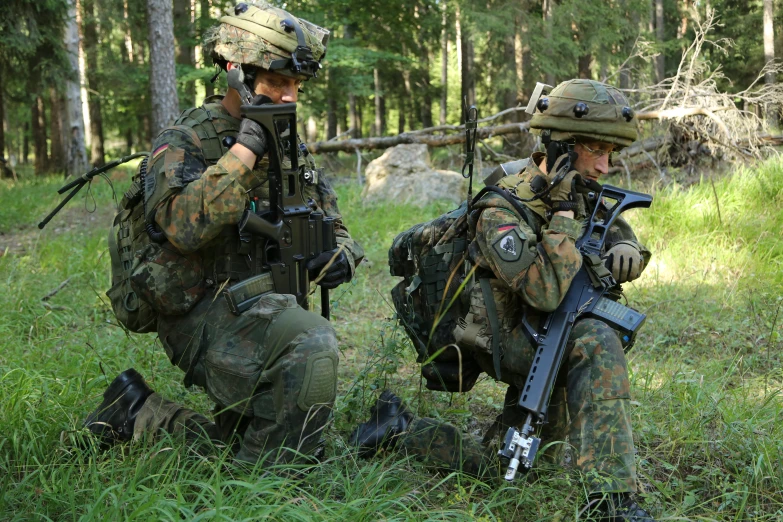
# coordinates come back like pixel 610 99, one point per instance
pixel 680 112
pixel 408 137
pixel 427 136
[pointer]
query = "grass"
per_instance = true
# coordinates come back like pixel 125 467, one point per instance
pixel 705 373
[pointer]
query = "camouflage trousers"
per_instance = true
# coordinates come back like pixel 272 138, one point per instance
pixel 589 406
pixel 272 373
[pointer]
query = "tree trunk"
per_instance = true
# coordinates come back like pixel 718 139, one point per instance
pixel 38 119
pixel 163 77
pixel 26 143
pixel 522 60
pixel 183 27
pixel 584 66
pixel 90 32
pixel 331 118
pixel 57 156
pixel 467 74
pixel 380 105
pixel 426 98
pixel 660 62
pixel 76 155
pixel 508 77
pixel 356 129
pixel 549 32
pixel 209 87
pixel 2 118
pixel 769 56
pixel 359 120
pixel 444 68
pixel 401 113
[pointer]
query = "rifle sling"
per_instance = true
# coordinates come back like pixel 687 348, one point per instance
pixel 596 269
pixel 492 314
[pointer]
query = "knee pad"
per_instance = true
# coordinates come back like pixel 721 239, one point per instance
pixel 319 384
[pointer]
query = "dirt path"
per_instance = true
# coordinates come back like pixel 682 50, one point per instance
pixel 24 238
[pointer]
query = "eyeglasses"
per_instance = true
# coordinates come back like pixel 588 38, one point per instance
pixel 596 153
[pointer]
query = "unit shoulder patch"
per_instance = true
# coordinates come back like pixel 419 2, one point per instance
pixel 510 244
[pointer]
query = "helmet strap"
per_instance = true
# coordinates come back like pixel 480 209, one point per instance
pixel 218 70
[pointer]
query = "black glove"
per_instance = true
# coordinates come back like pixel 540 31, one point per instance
pixel 251 134
pixel 338 272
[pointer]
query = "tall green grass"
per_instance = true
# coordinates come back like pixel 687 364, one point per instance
pixel 706 377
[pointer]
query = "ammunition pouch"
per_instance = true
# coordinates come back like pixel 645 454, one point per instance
pixel 126 234
pixel 169 281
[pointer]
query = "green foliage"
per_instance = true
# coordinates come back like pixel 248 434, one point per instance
pixel 705 373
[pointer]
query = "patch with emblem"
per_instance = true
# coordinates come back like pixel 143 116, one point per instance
pixel 509 246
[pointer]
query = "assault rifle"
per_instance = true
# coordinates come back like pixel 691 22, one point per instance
pixel 586 297
pixel 295 231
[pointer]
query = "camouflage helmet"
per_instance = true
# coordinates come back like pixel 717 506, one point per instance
pixel 586 108
pixel 268 37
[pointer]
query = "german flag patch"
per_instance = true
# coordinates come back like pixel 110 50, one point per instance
pixel 157 152
pixel 506 227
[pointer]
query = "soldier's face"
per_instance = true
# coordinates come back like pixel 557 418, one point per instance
pixel 593 160
pixel 280 88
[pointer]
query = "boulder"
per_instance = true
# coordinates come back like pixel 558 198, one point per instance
pixel 403 174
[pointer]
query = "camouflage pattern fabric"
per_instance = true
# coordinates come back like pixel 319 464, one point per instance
pixel 271 371
pixel 608 116
pixel 531 264
pixel 596 399
pixel 194 202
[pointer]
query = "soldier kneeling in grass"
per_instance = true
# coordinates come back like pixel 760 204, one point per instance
pixel 521 258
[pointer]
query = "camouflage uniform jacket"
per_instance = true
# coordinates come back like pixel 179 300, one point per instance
pixel 530 260
pixel 198 200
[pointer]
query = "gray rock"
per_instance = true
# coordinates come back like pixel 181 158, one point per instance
pixel 403 174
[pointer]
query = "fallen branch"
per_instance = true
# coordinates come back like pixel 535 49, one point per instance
pixel 680 112
pixel 54 292
pixel 427 136
pixel 386 142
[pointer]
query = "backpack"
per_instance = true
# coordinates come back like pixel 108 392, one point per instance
pixel 128 235
pixel 149 276
pixel 432 300
pixel 430 257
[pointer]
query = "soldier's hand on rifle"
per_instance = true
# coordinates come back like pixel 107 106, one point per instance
pixel 624 261
pixel 251 134
pixel 330 269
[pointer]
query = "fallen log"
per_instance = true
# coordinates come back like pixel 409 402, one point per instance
pixel 428 137
pixel 411 137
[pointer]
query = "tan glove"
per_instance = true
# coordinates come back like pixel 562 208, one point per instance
pixel 624 261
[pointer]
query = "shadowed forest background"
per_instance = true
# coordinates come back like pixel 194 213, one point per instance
pixel 76 81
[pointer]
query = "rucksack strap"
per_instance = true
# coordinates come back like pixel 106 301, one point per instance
pixel 492 314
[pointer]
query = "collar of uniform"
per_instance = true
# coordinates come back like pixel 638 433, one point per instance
pixel 533 165
pixel 215 107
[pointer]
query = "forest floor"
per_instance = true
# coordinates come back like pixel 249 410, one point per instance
pixel 705 374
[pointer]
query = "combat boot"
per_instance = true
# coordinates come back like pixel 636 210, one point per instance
pixel 114 418
pixel 389 418
pixel 616 507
